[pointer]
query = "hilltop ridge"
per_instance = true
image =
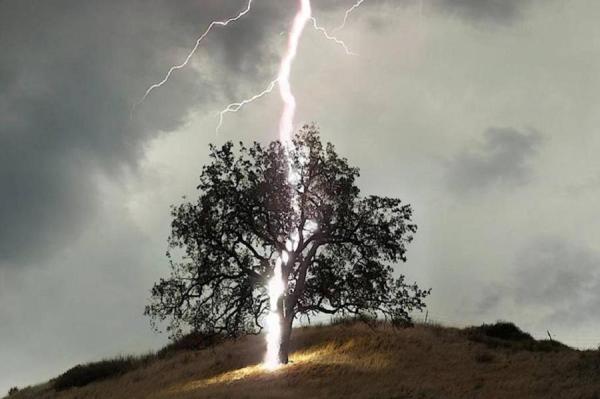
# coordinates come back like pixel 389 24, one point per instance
pixel 353 360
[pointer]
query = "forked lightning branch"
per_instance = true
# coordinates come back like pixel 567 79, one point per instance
pixel 304 16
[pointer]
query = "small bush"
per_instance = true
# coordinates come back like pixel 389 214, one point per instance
pixel 507 335
pixel 191 342
pixel 370 320
pixel 402 323
pixel 13 391
pixel 504 330
pixel 82 375
pixel 346 320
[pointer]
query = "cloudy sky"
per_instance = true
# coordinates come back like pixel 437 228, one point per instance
pixel 480 113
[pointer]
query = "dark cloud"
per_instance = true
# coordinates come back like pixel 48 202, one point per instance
pixel 552 271
pixel 70 72
pixel 477 11
pixel 562 277
pixel 491 295
pixel 503 158
pixel 555 278
pixel 498 11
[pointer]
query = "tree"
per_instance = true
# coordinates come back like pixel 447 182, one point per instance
pixel 229 239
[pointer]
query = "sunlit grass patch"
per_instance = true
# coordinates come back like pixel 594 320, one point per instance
pixel 225 378
pixel 313 359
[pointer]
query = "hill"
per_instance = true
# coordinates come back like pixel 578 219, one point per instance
pixel 353 360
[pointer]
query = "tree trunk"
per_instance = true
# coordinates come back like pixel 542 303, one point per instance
pixel 286 332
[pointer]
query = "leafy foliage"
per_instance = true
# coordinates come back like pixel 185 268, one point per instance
pixel 229 239
pixel 192 341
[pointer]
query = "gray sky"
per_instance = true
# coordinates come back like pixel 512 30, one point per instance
pixel 480 113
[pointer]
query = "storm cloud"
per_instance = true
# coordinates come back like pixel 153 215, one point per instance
pixel 554 279
pixel 561 276
pixel 503 158
pixel 86 185
pixel 500 11
pixel 70 72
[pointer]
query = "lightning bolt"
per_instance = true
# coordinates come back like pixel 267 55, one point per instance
pixel 276 286
pixel 330 37
pixel 235 107
pixel 347 15
pixel 286 123
pixel 193 51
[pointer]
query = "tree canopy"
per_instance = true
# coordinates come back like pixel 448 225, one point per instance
pixel 224 245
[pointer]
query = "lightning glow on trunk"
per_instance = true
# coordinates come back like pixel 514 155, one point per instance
pixel 286 128
pixel 276 286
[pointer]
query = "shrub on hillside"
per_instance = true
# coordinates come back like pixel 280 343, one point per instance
pixel 346 320
pixel 369 319
pixel 85 374
pixel 193 341
pixel 507 335
pixel 13 391
pixel 505 331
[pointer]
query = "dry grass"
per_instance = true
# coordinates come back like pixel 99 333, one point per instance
pixel 354 361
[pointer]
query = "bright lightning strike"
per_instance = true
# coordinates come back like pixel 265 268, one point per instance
pixel 286 127
pixel 330 37
pixel 347 15
pixel 235 107
pixel 193 51
pixel 276 285
pixel 276 289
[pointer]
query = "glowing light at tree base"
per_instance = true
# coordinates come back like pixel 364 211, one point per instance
pixel 276 285
pixel 286 127
pixel 273 320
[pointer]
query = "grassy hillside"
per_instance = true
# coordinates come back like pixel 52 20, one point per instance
pixel 351 360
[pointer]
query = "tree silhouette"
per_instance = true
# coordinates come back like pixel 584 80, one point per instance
pixel 229 239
